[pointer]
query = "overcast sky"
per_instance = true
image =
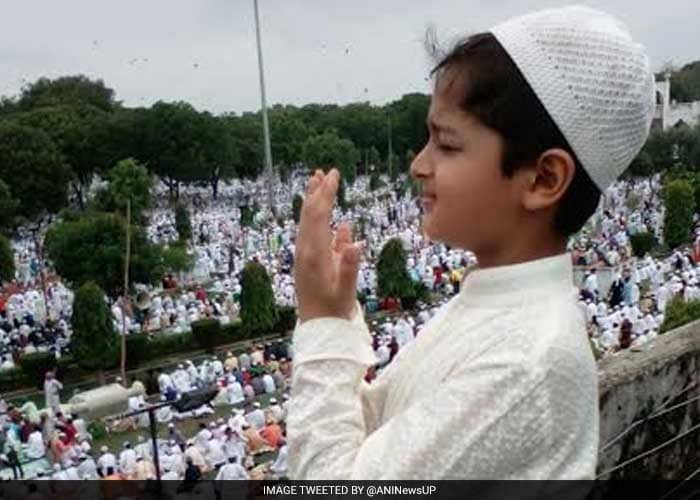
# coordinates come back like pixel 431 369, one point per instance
pixel 203 51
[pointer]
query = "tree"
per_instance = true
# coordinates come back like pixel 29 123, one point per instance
pixel 642 243
pixel 31 165
pixel 680 206
pixel 94 342
pixel 71 90
pixel 75 130
pixel 287 136
pixel 408 129
pixel 8 207
pixel 685 82
pixel 248 142
pixel 328 150
pixel 171 145
pixel 92 248
pixel 176 259
pixel 258 308
pixel 393 279
pixel 297 203
pixel 642 165
pixel 128 180
pixel 410 156
pixel 218 155
pixel 7 260
pixel 374 158
pixel 182 222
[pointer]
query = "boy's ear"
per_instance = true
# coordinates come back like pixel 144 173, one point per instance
pixel 547 179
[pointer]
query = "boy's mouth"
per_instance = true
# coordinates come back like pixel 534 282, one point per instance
pixel 427 201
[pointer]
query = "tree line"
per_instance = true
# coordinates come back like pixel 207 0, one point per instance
pixel 57 134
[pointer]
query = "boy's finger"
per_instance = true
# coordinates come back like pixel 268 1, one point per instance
pixel 344 235
pixel 312 185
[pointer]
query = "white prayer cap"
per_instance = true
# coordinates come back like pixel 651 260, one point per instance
pixel 171 426
pixel 273 400
pixel 256 404
pixel 104 449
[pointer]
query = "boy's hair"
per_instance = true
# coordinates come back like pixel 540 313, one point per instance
pixel 497 94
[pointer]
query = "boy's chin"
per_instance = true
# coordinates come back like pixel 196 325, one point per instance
pixel 428 228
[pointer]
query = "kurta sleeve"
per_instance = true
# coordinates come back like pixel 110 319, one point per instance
pixel 490 417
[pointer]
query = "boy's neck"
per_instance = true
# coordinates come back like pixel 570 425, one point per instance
pixel 518 252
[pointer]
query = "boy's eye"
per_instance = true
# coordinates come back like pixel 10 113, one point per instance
pixel 447 148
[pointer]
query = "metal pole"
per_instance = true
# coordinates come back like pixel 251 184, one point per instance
pixel 266 124
pixel 154 439
pixel 126 289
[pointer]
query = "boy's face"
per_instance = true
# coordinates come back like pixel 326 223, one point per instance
pixel 467 201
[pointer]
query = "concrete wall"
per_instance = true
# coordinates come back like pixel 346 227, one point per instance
pixel 638 383
pixel 687 112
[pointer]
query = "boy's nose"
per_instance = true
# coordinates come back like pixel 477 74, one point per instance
pixel 421 167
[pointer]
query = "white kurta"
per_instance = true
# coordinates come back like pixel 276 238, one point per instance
pixel 500 384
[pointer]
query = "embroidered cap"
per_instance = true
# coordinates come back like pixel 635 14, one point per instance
pixel 595 82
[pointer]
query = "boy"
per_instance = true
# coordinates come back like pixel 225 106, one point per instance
pixel 528 123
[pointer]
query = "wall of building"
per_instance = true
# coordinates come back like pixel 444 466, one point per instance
pixel 649 397
pixel 668 113
pixel 687 112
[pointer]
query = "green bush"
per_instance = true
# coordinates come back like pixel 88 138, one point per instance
pixel 36 365
pixel 416 291
pixel 182 222
pixel 642 243
pixel 207 333
pixel 679 312
pixel 247 216
pixel 11 380
pixel 138 350
pixel 233 332
pixel 679 201
pixel 176 259
pixel 258 308
pixel 165 345
pixel 286 319
pixel 393 279
pixel 95 343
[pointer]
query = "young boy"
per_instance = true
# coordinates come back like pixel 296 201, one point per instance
pixel 528 123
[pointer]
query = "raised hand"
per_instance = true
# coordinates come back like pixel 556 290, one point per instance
pixel 326 265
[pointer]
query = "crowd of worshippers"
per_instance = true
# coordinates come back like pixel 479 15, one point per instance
pixel 631 311
pixel 221 246
pixel 37 319
pixel 225 447
pixel 222 448
pixel 29 324
pixel 628 313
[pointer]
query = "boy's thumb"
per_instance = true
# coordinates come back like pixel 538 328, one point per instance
pixel 349 266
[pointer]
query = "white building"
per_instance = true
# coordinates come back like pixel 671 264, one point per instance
pixel 671 113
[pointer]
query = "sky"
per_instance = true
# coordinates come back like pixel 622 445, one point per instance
pixel 329 51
